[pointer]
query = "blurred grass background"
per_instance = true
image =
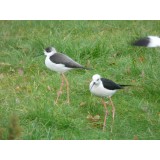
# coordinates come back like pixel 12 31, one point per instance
pixel 28 88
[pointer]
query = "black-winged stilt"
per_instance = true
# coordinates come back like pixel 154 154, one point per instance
pixel 60 63
pixel 103 87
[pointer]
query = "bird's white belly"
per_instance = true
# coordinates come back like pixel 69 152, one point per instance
pixel 100 91
pixel 56 67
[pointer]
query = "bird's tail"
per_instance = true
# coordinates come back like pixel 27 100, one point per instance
pixel 122 85
pixel 87 68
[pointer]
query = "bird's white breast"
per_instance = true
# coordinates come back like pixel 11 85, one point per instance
pixel 100 91
pixel 60 68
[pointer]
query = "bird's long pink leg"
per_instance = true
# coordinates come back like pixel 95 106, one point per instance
pixel 67 87
pixel 106 114
pixel 113 112
pixel 60 90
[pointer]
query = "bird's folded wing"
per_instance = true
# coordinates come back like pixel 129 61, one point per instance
pixel 60 58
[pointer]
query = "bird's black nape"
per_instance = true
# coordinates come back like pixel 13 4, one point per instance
pixel 48 49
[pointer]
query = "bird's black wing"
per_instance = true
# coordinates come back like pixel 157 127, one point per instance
pixel 60 58
pixel 142 42
pixel 109 84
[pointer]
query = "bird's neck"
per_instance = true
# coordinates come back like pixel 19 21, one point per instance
pixel 50 54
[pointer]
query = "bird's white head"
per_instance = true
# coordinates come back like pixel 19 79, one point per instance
pixel 49 51
pixel 96 80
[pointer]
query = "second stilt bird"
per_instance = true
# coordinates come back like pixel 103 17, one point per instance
pixel 60 63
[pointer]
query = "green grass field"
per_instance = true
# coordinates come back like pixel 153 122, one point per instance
pixel 28 88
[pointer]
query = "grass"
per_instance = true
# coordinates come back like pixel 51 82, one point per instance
pixel 28 88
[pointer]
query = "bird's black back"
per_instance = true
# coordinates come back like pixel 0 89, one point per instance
pixel 60 58
pixel 142 42
pixel 109 84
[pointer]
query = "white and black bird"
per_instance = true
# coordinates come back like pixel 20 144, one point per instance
pixel 60 63
pixel 103 87
pixel 149 41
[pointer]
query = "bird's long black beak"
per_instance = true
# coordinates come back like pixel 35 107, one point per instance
pixel 93 85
